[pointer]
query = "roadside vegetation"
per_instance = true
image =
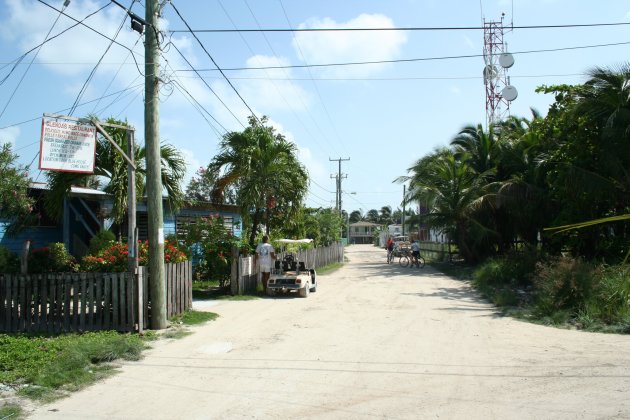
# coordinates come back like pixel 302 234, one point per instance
pixel 47 367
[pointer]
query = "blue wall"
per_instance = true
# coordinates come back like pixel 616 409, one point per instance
pixel 39 236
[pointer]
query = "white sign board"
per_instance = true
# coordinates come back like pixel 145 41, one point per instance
pixel 67 146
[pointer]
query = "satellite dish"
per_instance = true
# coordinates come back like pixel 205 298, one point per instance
pixel 490 72
pixel 506 60
pixel 509 93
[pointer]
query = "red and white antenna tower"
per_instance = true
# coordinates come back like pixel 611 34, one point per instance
pixel 499 92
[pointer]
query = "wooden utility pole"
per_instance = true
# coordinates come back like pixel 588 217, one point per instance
pixel 339 177
pixel 157 284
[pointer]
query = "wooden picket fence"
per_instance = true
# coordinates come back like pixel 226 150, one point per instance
pixel 66 302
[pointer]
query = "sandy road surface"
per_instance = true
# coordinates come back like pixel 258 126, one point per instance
pixel 375 341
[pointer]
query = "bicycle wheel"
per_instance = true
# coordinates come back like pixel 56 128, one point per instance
pixel 403 261
pixel 421 262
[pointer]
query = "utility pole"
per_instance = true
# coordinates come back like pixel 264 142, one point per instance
pixel 157 284
pixel 339 177
pixel 403 213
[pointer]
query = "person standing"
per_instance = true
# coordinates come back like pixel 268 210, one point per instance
pixel 265 254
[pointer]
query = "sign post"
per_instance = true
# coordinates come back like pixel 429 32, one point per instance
pixel 67 146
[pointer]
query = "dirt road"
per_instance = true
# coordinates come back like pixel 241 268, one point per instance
pixel 374 341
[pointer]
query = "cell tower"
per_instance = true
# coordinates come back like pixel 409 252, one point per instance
pixel 499 91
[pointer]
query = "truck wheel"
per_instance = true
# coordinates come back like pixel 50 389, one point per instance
pixel 313 289
pixel 271 292
pixel 304 291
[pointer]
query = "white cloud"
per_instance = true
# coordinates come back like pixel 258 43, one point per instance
pixel 341 47
pixel 192 165
pixel 470 43
pixel 9 135
pixel 455 90
pixel 271 89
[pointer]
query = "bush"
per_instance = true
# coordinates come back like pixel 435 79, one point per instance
pixel 115 258
pixel 211 246
pixel 610 302
pixel 51 259
pixel 103 239
pixel 564 284
pixel 516 269
pixel 9 262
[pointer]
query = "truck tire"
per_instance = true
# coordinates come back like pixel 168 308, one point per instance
pixel 305 290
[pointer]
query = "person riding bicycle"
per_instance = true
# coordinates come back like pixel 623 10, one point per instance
pixel 415 252
pixel 390 248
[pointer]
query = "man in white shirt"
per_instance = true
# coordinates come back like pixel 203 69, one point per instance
pixel 265 254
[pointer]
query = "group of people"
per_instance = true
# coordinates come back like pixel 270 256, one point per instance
pixel 391 247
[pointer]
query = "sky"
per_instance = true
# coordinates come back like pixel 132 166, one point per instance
pixel 380 118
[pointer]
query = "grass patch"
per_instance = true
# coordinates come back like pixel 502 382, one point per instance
pixel 11 412
pixel 329 268
pixel 45 367
pixel 196 317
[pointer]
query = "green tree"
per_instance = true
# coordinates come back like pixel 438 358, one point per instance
pixel 15 204
pixel 111 168
pixel 453 191
pixel 263 167
pixel 200 188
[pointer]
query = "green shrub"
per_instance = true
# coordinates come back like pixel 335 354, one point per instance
pixel 564 284
pixel 54 258
pixel 515 269
pixel 9 262
pixel 610 302
pixel 103 239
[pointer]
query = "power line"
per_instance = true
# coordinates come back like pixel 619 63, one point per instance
pixel 93 72
pixel 319 95
pixel 96 31
pixel 208 86
pixel 66 109
pixel 388 79
pixel 29 64
pixel 214 62
pixel 411 60
pixel 409 28
pixel 18 60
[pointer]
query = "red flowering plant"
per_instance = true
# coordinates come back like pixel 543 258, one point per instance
pixel 115 258
pixel 53 258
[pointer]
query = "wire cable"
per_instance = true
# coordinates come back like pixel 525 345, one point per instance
pixel 411 60
pixel 410 28
pixel 95 68
pixel 63 110
pixel 215 63
pixel 31 62
pixel 94 30
pixel 208 86
pixel 319 95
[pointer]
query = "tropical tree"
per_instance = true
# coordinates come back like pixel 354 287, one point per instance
pixel 264 169
pixel 372 216
pixel 386 215
pixel 453 191
pixel 200 188
pixel 15 204
pixel 478 148
pixel 110 174
pixel 356 216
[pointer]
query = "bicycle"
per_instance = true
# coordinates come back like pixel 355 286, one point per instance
pixel 409 258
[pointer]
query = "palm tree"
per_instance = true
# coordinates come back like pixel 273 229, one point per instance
pixel 453 191
pixel 263 167
pixel 110 173
pixel 386 215
pixel 477 147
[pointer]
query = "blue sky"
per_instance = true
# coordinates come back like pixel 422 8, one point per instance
pixel 383 117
